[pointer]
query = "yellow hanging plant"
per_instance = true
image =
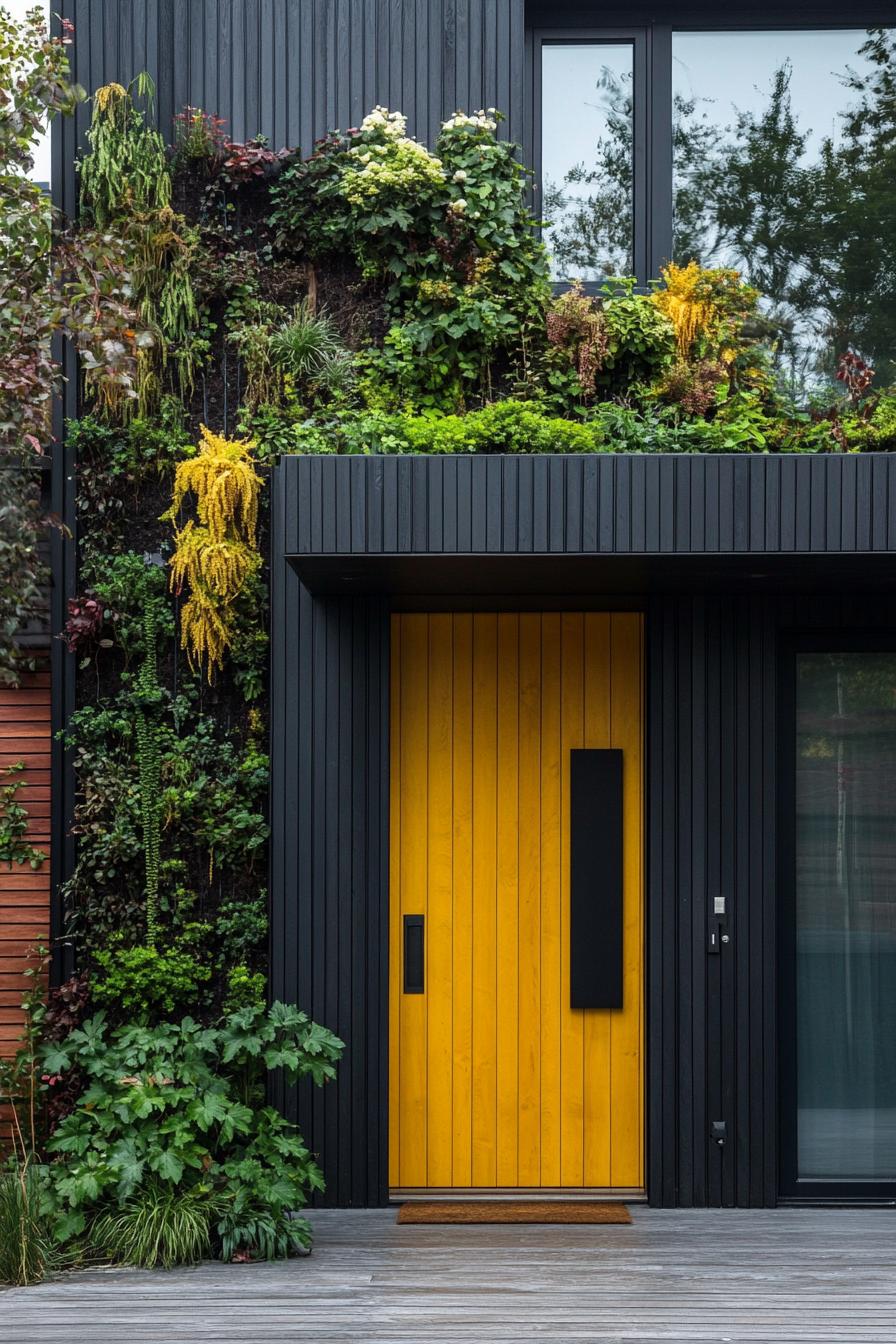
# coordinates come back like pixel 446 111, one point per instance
pixel 214 557
pixel 684 302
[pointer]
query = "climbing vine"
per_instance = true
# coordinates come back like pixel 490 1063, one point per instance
pixel 148 697
pixel 14 848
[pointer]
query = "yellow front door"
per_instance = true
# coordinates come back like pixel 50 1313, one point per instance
pixel 495 1082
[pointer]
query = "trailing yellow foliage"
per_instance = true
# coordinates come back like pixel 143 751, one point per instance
pixel 221 567
pixel 685 303
pixel 223 478
pixel 707 308
pixel 215 557
pixel 206 630
pixel 108 97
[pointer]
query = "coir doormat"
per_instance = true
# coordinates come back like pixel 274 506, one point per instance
pixel 513 1211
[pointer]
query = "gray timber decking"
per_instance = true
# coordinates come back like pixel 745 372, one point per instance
pixel 673 1276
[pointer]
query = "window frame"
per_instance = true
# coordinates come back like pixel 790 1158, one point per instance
pixel 793 1189
pixel 652 205
pixel 651 140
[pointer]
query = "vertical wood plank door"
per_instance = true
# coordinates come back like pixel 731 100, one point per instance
pixel 496 1083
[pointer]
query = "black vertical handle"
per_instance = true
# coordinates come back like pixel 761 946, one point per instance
pixel 413 954
pixel 595 878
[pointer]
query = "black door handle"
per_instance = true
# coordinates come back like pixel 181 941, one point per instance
pixel 413 954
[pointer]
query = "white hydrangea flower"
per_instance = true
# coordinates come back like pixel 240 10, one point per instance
pixel 459 206
pixel 459 176
pixel 479 120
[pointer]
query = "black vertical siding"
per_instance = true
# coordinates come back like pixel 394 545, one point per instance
pixel 631 504
pixel 329 813
pixel 712 768
pixel 294 69
pixel 712 669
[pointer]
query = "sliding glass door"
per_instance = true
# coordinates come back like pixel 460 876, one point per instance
pixel 839 972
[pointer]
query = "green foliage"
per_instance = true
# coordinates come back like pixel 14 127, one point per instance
pixel 20 1073
pixel 503 427
pixel 241 927
pixel 180 1106
pixel 22 572
pixel 213 789
pixel 875 433
pixel 14 848
pixel 448 237
pixel 53 280
pixel 249 649
pixel 640 339
pixel 245 989
pixel 126 171
pixel 27 1247
pixel 148 982
pixel 28 1251
pixel 159 1227
pixel 116 464
pixel 212 793
pixel 288 357
pixel 136 609
pixel 148 702
pixel 308 349
pixel 126 187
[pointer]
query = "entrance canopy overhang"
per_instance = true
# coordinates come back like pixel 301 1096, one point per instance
pixel 603 525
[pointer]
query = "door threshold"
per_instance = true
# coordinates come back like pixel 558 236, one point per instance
pixel 609 1194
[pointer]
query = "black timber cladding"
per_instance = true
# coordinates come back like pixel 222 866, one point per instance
pixel 712 667
pixel 602 504
pixel 329 857
pixel 293 70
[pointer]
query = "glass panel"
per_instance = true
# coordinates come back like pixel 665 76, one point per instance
pixel 784 165
pixel 846 916
pixel 586 158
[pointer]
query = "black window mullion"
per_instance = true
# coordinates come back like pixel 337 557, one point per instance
pixel 640 160
pixel 659 151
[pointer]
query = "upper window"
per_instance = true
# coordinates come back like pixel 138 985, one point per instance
pixel 773 153
pixel 586 125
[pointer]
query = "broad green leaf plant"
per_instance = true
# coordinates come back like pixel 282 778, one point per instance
pixel 180 1107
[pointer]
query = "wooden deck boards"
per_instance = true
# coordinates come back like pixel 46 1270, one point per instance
pixel 672 1276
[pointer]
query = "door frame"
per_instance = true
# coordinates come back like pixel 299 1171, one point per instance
pixel 790 1188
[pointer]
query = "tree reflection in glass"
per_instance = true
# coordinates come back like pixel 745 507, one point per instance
pixel 784 166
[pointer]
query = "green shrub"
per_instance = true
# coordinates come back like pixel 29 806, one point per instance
pixel 242 928
pixel 445 236
pixel 640 341
pixel 877 433
pixel 245 989
pixel 180 1106
pixel 307 347
pixel 502 427
pixel 147 982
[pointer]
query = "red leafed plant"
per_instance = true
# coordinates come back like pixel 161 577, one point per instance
pixel 251 159
pixel 855 374
pixel 85 620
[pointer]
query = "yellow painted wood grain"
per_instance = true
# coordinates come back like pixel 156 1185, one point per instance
pixel 529 899
pixel 507 894
pixel 495 1080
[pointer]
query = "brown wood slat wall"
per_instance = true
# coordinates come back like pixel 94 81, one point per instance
pixel 24 894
